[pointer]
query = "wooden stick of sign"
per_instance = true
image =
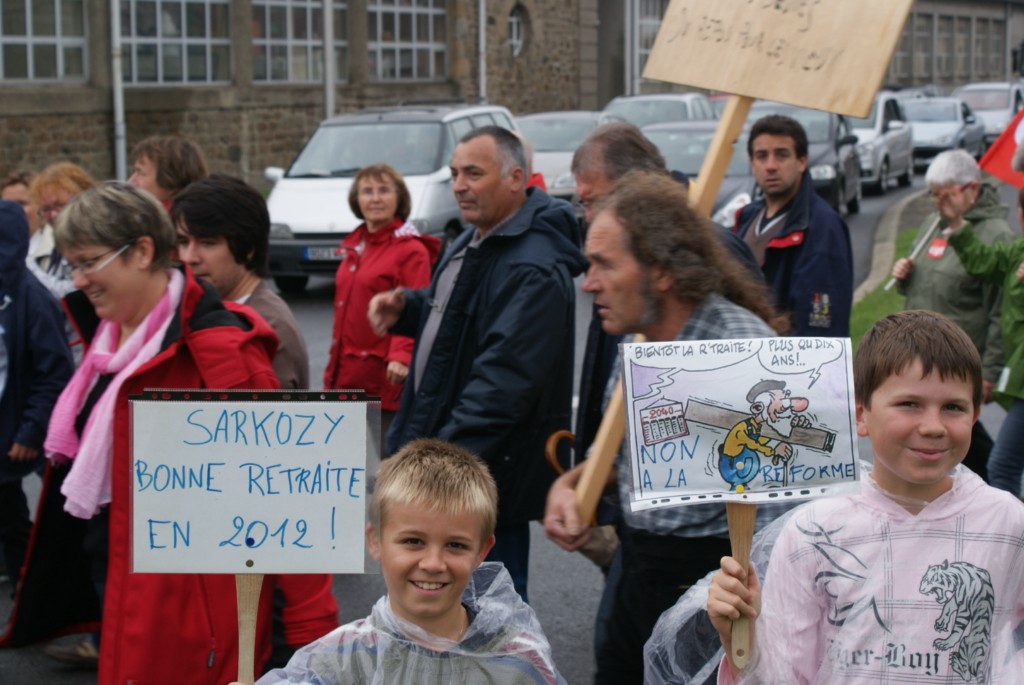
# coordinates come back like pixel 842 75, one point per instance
pixel 609 436
pixel 247 591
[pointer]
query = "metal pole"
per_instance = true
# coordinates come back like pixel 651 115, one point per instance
pixel 330 65
pixel 117 85
pixel 481 11
pixel 629 56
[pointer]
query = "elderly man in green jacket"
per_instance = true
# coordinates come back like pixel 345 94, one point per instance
pixel 937 280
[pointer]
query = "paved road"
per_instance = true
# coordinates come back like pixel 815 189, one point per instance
pixel 564 587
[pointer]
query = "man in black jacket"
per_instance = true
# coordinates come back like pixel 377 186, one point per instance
pixel 493 362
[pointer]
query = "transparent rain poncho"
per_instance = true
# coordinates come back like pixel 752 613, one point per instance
pixel 504 645
pixel 864 588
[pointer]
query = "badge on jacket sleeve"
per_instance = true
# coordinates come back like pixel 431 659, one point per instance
pixel 821 311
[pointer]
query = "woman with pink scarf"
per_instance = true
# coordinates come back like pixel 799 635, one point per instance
pixel 148 324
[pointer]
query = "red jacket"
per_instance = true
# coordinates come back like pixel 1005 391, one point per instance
pixel 372 263
pixel 179 628
pixel 163 628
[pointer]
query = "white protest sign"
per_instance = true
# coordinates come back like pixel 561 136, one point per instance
pixel 824 54
pixel 752 420
pixel 241 485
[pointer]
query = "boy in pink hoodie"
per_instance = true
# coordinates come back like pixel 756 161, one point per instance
pixel 916 579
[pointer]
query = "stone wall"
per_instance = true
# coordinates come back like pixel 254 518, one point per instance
pixel 32 142
pixel 544 76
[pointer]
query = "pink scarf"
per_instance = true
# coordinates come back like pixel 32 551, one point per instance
pixel 87 486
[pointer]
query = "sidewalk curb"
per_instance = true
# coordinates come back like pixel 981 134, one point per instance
pixel 883 255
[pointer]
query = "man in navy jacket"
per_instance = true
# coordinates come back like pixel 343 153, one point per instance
pixel 801 243
pixel 493 363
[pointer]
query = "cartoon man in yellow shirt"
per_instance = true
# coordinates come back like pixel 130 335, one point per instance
pixel 740 454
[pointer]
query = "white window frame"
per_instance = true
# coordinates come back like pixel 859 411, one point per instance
pixel 648 21
pixel 58 41
pixel 133 43
pixel 386 53
pixel 516 29
pixel 303 60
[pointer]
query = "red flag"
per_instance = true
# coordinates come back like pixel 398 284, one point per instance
pixel 997 160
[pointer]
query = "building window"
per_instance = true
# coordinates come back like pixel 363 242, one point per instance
pixel 405 41
pixel 944 56
pixel 648 21
pixel 899 70
pixel 963 48
pixel 923 46
pixel 288 41
pixel 170 42
pixel 980 47
pixel 42 40
pixel 997 50
pixel 516 29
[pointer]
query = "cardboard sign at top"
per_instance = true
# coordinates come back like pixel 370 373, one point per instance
pixel 824 54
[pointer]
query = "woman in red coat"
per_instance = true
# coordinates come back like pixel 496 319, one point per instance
pixel 384 252
pixel 149 324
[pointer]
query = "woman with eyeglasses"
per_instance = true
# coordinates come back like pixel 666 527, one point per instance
pixel 51 191
pixel 383 253
pixel 148 324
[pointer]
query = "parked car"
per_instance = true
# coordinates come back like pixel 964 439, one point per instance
pixel 995 103
pixel 684 144
pixel 943 124
pixel 928 90
pixel 309 212
pixel 652 109
pixel 831 157
pixel 718 103
pixel 885 143
pixel 554 137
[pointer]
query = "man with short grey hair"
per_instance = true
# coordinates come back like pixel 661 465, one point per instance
pixel 493 361
pixel 936 279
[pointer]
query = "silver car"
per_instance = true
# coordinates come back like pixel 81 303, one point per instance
pixel 885 144
pixel 995 103
pixel 943 124
pixel 642 110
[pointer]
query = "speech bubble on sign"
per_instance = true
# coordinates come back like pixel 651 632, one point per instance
pixel 792 356
pixel 708 420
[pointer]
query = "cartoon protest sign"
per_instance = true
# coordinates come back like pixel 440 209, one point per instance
pixel 739 420
pixel 248 482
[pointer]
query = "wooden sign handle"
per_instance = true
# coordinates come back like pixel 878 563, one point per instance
pixel 602 456
pixel 741 534
pixel 247 592
pixel 613 426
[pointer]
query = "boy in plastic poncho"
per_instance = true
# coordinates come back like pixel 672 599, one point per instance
pixel 447 618
pixel 917 578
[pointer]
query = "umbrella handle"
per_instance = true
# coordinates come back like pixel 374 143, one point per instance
pixel 551 449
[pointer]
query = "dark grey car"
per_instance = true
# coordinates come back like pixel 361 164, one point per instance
pixel 684 144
